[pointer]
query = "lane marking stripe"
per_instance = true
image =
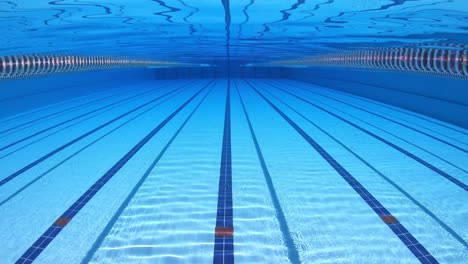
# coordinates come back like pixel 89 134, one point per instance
pixel 97 244
pixel 393 121
pixel 75 118
pixel 406 194
pixel 57 150
pixel 86 147
pixel 400 149
pixel 44 240
pixel 418 250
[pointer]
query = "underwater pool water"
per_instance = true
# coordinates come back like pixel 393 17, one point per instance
pixel 235 146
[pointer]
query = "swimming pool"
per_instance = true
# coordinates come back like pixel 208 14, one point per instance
pixel 239 150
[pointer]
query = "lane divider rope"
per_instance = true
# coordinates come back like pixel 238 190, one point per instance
pixel 447 62
pixel 30 65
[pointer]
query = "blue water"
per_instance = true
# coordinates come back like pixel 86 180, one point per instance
pixel 196 31
pixel 206 165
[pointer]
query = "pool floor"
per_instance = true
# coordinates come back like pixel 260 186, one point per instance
pixel 218 171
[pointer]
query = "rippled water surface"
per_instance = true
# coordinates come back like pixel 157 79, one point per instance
pixel 207 31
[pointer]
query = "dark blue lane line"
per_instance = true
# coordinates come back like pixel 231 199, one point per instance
pixel 403 151
pixel 22 96
pixel 397 90
pixel 97 244
pixel 224 231
pixel 286 13
pixel 391 120
pixel 316 7
pixel 64 146
pixel 418 250
pixel 407 112
pixel 88 116
pixel 389 133
pixel 34 93
pixel 51 233
pixel 396 186
pixel 14 117
pixel 394 108
pixel 40 120
pixel 293 253
pixel 77 117
pixel 25 124
pixel 70 125
pixel 27 185
pixel 64 111
pixel 375 113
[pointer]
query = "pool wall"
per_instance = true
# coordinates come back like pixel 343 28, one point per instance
pixel 19 95
pixel 435 96
pixel 221 72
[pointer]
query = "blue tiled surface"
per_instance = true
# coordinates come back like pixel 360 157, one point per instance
pixel 396 122
pixel 66 145
pixel 30 255
pixel 399 188
pixel 57 112
pixel 135 189
pixel 416 248
pixel 393 134
pixel 72 119
pixel 293 253
pixel 405 152
pixel 287 214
